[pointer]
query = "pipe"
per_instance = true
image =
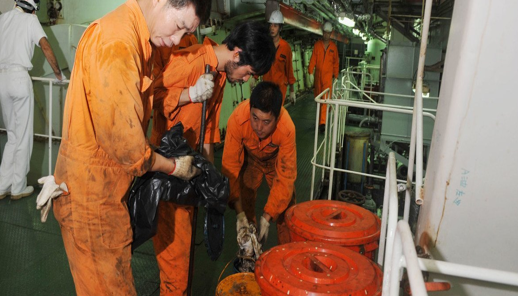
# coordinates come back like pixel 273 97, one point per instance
pixel 382 107
pixel 356 117
pixel 419 105
pixel 418 16
pixel 333 154
pixel 323 11
pixel 369 119
pixel 476 273
pixel 388 219
pixel 315 144
pixel 404 245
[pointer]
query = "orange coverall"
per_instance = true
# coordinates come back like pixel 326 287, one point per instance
pixel 163 54
pixel 326 62
pixel 246 159
pixel 173 239
pixel 281 71
pixel 104 146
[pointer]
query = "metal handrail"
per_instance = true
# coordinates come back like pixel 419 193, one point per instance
pixel 334 127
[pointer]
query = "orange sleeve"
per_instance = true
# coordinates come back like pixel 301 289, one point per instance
pixel 336 63
pixel 169 86
pixel 212 123
pixel 289 65
pixel 116 106
pixel 233 157
pixel 284 182
pixel 313 60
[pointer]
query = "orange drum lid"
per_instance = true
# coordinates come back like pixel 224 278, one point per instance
pixel 314 268
pixel 334 221
pixel 238 284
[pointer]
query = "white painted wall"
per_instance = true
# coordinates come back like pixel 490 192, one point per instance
pixel 6 5
pixel 80 11
pixel 469 215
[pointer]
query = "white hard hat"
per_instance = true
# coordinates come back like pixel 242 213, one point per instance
pixel 328 27
pixel 276 17
pixel 28 4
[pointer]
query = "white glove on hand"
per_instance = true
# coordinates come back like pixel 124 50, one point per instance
pixel 49 191
pixel 62 81
pixel 203 89
pixel 184 169
pixel 264 226
pixel 242 221
pixel 293 97
pixel 243 237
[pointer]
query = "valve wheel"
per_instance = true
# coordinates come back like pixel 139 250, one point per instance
pixel 351 196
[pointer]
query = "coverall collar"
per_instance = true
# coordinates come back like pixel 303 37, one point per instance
pixel 211 55
pixel 143 30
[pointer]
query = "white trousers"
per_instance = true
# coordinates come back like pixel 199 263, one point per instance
pixel 17 103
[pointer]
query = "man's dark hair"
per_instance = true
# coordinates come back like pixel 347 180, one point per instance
pixel 267 97
pixel 201 7
pixel 257 48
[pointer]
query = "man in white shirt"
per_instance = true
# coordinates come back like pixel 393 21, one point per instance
pixel 20 30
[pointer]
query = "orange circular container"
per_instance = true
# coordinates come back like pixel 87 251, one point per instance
pixel 313 268
pixel 238 284
pixel 335 222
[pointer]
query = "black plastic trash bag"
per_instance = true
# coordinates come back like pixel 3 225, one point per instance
pixel 209 189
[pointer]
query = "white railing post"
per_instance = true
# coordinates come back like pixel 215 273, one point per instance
pixel 50 128
pixel 315 144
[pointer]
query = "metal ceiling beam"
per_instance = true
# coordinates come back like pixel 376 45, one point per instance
pixel 398 26
pixel 297 19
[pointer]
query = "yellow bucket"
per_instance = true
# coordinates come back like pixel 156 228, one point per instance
pixel 238 284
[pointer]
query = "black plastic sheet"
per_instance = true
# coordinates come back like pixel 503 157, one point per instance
pixel 210 189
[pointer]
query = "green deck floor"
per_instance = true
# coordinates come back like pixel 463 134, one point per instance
pixel 33 259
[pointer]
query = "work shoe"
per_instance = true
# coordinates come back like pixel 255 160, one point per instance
pixel 28 191
pixel 3 194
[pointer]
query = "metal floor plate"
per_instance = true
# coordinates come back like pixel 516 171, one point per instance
pixel 33 259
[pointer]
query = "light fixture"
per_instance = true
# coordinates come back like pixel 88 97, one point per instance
pixel 364 37
pixel 346 19
pixel 426 90
pixel 356 32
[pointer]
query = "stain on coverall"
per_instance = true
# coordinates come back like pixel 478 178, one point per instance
pixel 104 147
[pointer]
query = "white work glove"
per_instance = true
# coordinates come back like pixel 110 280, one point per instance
pixel 184 169
pixel 243 237
pixel 293 97
pixel 203 89
pixel 49 191
pixel 264 226
pixel 242 221
pixel 62 81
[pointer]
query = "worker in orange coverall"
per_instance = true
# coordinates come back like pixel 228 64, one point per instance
pixel 260 141
pixel 325 59
pixel 163 54
pixel 247 50
pixel 104 146
pixel 281 72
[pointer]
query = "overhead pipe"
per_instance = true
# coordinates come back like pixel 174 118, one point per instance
pixel 299 20
pixel 322 11
pixel 416 139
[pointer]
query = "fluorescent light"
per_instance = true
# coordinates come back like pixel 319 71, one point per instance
pixel 426 90
pixel 346 19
